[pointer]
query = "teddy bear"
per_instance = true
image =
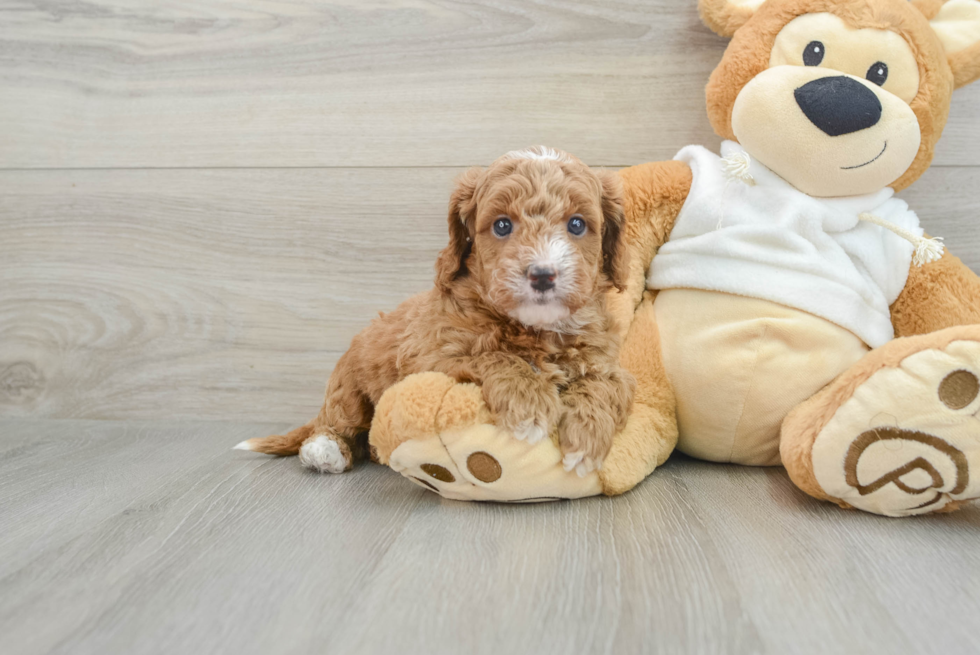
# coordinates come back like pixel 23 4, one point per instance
pixel 783 307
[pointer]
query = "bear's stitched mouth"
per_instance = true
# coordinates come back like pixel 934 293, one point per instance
pixel 867 163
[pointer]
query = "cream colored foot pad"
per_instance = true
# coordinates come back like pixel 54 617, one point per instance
pixel 485 463
pixel 908 441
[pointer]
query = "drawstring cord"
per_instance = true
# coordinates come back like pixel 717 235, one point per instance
pixel 927 250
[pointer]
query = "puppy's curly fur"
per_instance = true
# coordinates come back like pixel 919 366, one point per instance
pixel 518 307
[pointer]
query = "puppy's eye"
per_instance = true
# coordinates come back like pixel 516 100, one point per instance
pixel 576 225
pixel 502 226
pixel 878 73
pixel 814 53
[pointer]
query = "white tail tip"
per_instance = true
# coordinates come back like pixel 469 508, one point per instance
pixel 243 445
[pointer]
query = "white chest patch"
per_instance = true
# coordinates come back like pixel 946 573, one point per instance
pixel 540 315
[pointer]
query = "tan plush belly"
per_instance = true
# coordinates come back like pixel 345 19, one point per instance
pixel 739 365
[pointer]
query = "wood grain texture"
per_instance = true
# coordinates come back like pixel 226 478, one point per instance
pixel 154 538
pixel 202 202
pixel 201 294
pixel 123 83
pixel 947 201
pixel 230 294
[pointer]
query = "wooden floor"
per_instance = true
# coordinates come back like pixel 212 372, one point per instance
pixel 202 202
pixel 151 537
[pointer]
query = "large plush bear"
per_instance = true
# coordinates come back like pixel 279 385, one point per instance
pixel 794 313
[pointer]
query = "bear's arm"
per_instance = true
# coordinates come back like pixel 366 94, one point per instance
pixel 943 294
pixel 653 195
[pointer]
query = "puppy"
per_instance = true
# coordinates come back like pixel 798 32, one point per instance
pixel 536 241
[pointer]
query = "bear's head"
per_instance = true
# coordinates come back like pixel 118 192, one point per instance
pixel 840 97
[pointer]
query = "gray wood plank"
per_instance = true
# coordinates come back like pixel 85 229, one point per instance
pixel 201 294
pixel 591 576
pixel 220 552
pixel 103 462
pixel 230 294
pixel 112 83
pixel 947 201
pixel 152 537
pixel 872 580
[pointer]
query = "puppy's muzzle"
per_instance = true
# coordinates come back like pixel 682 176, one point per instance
pixel 839 105
pixel 542 278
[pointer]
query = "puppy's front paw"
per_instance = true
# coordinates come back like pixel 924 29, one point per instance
pixel 530 431
pixel 528 407
pixel 585 440
pixel 579 463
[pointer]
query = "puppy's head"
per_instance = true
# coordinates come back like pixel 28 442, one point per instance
pixel 537 234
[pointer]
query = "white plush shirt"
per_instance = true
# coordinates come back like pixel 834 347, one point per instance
pixel 773 242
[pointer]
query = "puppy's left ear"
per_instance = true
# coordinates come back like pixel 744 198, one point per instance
pixel 957 24
pixel 451 263
pixel 615 254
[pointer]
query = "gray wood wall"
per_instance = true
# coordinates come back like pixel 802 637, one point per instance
pixel 201 202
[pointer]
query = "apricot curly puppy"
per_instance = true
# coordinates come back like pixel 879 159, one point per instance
pixel 519 307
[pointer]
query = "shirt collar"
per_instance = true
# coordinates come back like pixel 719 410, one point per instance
pixel 851 205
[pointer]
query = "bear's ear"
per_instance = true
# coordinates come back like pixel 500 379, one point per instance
pixel 957 24
pixel 724 17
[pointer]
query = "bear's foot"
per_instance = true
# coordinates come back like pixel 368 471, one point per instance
pixel 899 433
pixel 440 435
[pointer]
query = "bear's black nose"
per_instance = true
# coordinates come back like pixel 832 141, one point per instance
pixel 839 105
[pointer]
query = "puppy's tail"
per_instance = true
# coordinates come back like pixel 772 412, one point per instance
pixel 279 444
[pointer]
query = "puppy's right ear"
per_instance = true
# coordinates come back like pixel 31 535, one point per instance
pixel 451 264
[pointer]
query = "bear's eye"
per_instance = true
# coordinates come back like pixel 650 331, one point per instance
pixel 878 73
pixel 576 225
pixel 502 226
pixel 814 53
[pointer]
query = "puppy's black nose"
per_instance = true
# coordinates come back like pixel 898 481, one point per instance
pixel 839 105
pixel 542 279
